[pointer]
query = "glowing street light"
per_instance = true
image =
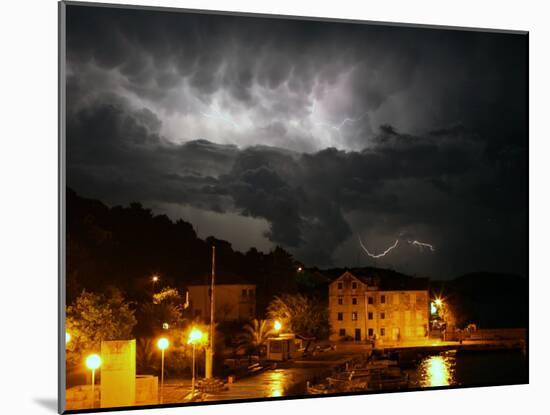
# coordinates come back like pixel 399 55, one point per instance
pixel 67 337
pixel 438 302
pixel 93 362
pixel 300 269
pixel 195 336
pixel 154 279
pixel 162 344
pixel 277 326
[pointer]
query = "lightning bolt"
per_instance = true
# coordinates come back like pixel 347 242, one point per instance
pixel 337 127
pixel 422 245
pixel 387 251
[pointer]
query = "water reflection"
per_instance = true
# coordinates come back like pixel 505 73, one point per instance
pixel 437 371
pixel 276 383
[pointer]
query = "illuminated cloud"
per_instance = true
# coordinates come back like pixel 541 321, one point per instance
pixel 308 130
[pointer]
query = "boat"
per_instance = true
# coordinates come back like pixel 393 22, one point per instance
pixel 376 377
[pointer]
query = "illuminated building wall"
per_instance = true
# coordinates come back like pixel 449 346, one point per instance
pixel 362 309
pixel 233 302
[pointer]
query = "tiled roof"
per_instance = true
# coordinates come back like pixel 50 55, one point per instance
pixel 388 280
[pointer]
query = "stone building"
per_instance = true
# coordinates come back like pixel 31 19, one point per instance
pixel 235 301
pixel 389 310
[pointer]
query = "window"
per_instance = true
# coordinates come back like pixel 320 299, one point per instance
pixel 340 316
pixel 342 332
pixel 382 316
pixel 276 346
pixel 382 331
pixel 354 285
pixel 382 299
pixel 354 300
pixel 354 315
pixel 340 300
pixel 371 332
pixel 340 285
pixel 371 300
pixel 370 316
pixel 243 293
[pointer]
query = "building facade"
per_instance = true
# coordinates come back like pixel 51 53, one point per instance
pixel 363 309
pixel 232 302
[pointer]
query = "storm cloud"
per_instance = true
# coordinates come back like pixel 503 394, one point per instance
pixel 315 132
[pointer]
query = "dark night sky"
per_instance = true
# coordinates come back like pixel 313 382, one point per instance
pixel 307 134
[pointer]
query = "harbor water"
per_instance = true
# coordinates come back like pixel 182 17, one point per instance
pixel 469 369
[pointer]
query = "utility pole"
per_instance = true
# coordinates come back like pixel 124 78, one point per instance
pixel 210 348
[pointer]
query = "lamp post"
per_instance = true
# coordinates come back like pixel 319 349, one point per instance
pixel 93 362
pixel 162 344
pixel 154 279
pixel 195 336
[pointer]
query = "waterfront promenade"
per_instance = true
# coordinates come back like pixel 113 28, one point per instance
pixel 286 379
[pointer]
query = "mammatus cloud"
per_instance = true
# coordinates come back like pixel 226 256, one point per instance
pixel 307 129
pixel 306 199
pixel 304 86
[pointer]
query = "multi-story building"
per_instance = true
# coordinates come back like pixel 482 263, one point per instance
pixel 367 308
pixel 232 301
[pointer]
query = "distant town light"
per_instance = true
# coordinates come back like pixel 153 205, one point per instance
pixel 165 326
pixel 155 278
pixel 93 361
pixel 163 343
pixel 300 269
pixel 277 326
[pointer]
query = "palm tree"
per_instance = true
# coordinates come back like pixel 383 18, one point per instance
pixel 256 333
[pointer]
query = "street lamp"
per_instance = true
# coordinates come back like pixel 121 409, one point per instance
pixel 67 337
pixel 162 344
pixel 277 326
pixel 93 362
pixel 438 302
pixel 195 336
pixel 155 279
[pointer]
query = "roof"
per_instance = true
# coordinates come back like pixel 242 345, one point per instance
pixel 221 284
pixel 388 280
pixel 221 279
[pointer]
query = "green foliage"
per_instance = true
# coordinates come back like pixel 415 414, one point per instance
pixel 166 307
pixel 92 318
pixel 167 295
pixel 301 315
pixel 255 335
